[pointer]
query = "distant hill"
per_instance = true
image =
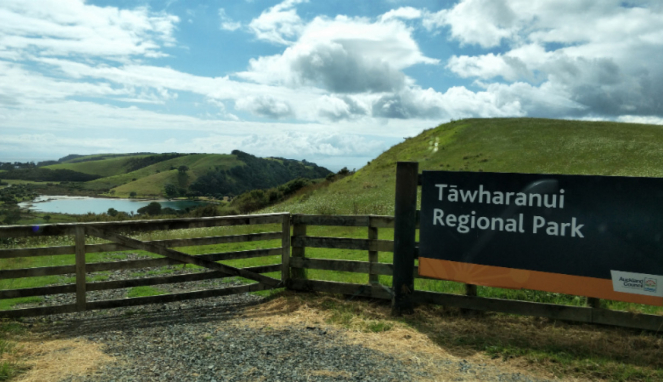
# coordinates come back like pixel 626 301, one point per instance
pixel 150 175
pixel 108 165
pixel 522 145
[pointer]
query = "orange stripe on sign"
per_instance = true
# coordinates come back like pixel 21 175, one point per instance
pixel 501 277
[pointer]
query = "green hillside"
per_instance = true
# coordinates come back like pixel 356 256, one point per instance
pixel 144 181
pixel 105 167
pixel 521 145
pixel 158 175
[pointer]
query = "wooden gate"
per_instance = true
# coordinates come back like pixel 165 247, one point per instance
pixel 120 242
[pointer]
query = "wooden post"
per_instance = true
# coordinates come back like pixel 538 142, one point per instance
pixel 404 237
pixel 298 230
pixel 285 255
pixel 594 302
pixel 80 268
pixel 470 290
pixel 372 255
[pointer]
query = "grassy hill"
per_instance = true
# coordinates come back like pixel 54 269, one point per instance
pixel 521 145
pixel 148 174
pixel 150 180
pixel 105 167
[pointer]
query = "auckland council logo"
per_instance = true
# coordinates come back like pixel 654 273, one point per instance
pixel 650 285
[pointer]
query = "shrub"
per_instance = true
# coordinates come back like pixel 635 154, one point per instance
pixel 153 209
pixel 205 211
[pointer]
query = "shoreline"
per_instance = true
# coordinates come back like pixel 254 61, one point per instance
pixel 35 205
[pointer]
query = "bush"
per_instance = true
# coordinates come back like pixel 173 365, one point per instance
pixel 205 211
pixel 12 216
pixel 153 209
pixel 170 190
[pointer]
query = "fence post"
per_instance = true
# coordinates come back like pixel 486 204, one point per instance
pixel 404 237
pixel 470 290
pixel 372 255
pixel 285 247
pixel 298 230
pixel 80 268
pixel 594 302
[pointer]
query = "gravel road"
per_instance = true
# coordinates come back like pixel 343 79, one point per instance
pixel 214 340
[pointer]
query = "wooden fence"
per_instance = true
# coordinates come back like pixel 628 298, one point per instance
pixel 110 231
pixel 293 263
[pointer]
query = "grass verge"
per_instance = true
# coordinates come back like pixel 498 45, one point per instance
pixel 9 364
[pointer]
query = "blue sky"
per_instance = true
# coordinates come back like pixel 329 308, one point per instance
pixel 333 82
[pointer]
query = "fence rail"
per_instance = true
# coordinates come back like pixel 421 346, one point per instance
pixel 293 263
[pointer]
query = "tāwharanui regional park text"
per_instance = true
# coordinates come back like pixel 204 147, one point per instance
pixel 516 224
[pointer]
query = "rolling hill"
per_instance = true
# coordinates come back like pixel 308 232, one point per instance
pixel 149 175
pixel 521 145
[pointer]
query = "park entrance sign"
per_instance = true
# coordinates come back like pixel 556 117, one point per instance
pixel 593 236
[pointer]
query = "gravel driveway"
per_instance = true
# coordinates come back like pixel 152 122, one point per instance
pixel 215 340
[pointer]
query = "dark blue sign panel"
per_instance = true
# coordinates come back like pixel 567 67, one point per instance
pixel 595 236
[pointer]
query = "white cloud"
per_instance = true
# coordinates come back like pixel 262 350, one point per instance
pixel 265 106
pixel 294 144
pixel 71 27
pixel 45 143
pixel 343 55
pixel 278 24
pixel 604 56
pixel 336 108
pixel 227 23
pixel 483 22
pixel 649 119
pixel 406 13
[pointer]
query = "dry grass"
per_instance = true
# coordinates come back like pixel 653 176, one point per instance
pixel 54 360
pixel 411 346
pixel 512 344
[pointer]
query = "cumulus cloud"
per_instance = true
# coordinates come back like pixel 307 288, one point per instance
pixel 336 108
pixel 483 22
pixel 278 24
pixel 602 56
pixel 343 55
pixel 265 106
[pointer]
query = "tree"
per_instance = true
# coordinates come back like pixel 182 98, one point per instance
pixel 112 211
pixel 13 216
pixel 132 194
pixel 153 209
pixel 182 169
pixel 47 218
pixel 170 190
